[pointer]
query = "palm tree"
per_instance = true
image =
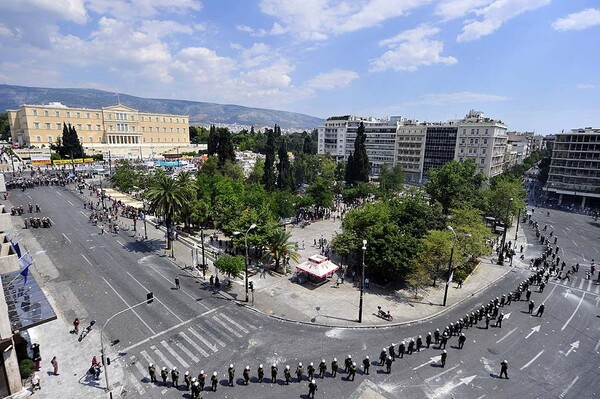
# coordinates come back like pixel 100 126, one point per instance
pixel 165 197
pixel 279 247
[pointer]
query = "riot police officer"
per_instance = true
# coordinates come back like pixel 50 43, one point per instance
pixel 231 374
pixel 366 364
pixel 334 367
pixel 287 374
pixel 246 375
pixel 152 372
pixel 274 370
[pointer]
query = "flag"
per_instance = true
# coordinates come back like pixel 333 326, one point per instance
pixel 25 273
pixel 25 260
pixel 15 246
pixel 451 277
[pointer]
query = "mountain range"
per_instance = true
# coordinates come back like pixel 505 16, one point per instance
pixel 200 113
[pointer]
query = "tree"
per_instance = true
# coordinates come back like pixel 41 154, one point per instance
pixel 213 140
pixel 193 135
pixel 232 266
pixel 455 184
pixel 321 192
pixel 165 197
pixel 68 145
pixel 187 186
pixel 497 197
pixel 279 247
pixel 284 170
pixel 471 232
pixel 419 277
pixel 390 180
pixel 359 166
pixel 4 127
pixel 225 150
pixel 125 177
pixel 269 178
pixel 349 173
pixel 435 253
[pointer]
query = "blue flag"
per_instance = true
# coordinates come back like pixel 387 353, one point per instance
pixel 25 273
pixel 15 246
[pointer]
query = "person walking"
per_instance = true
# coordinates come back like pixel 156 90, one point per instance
pixel 175 377
pixel 388 364
pixel 311 371
pixel 299 371
pixel 152 372
pixel 366 365
pixel 322 368
pixel 274 371
pixel 347 363
pixel 287 374
pixel 35 382
pixel 419 343
pixel 187 379
pixel 37 357
pixel 382 356
pixel 531 306
pixel 428 340
pixel 461 341
pixel 334 367
pixel 312 388
pixel 177 284
pixel 352 372
pixel 246 375
pixel 540 311
pixel 231 374
pixel 201 380
pixel 499 320
pixel 213 381
pixel 504 369
pixel 164 374
pixel 443 358
pixel 76 326
pixel 54 363
pixel 261 373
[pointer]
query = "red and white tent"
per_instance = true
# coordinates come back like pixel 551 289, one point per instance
pixel 318 265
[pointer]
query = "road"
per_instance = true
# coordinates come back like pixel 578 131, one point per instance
pixel 554 356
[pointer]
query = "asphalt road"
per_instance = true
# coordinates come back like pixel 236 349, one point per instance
pixel 554 356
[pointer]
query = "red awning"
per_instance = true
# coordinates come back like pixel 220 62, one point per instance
pixel 318 266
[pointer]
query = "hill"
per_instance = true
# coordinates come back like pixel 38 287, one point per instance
pixel 11 97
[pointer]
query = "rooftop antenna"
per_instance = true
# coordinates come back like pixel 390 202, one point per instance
pixel 118 98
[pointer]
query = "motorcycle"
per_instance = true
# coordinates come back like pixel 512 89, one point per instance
pixel 386 316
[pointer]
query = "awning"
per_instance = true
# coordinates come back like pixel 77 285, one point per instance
pixel 27 305
pixel 318 266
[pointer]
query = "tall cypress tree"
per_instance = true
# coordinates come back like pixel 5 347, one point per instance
pixel 349 176
pixel 213 140
pixel 269 179
pixel 225 149
pixel 362 167
pixel 285 179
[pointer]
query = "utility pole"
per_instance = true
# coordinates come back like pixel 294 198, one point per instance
pixel 362 283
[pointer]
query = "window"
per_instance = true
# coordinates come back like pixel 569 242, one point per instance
pixel 142 118
pixel 45 112
pixel 172 139
pixel 57 113
pixel 472 131
pixel 150 128
pixel 89 126
pixel 97 127
pixel 171 130
pixel 171 120
pixel 36 125
pixel 177 130
pixel 151 140
pixel 79 126
pixel 482 161
pixel 47 127
pixel 97 115
pixel 58 126
pixel 143 128
pixel 49 139
pixel 132 118
pixel 158 139
pixel 87 115
pixel 483 151
pixel 484 141
pixel 35 112
pixel 38 138
pixel 157 118
pixel 68 114
pixel 79 114
pixel 164 119
pixel 164 129
pixel 91 139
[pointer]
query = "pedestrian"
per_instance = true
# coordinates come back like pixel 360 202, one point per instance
pixel 37 358
pixel 443 358
pixel 101 228
pixel 411 347
pixel 444 341
pixel 437 335
pixel 175 377
pixel 35 382
pixel 504 369
pixel 274 370
pixel 508 299
pixel 299 371
pixel 540 311
pixel 195 389
pixel 213 381
pixel 531 306
pixel 287 374
pixel 382 356
pixel 231 374
pixel 76 326
pixel 366 365
pixel 261 373
pixel 401 350
pixel 367 283
pixel 322 368
pixel 419 343
pixel 152 372
pixel 247 375
pixel 312 388
pixel 164 374
pixel 392 351
pixel 461 341
pixel 487 320
pixel 54 363
pixel 499 320
pixel 187 378
pixel 351 372
pixel 201 380
pixel 334 367
pixel 177 284
pixel 528 294
pixel 428 339
pixel 388 364
pixel 310 371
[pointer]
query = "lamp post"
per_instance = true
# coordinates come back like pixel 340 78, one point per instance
pixel 449 279
pixel 501 256
pixel 362 282
pixel 518 221
pixel 236 233
pixel 145 216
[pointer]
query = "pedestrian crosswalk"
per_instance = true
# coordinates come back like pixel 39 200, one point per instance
pixel 583 284
pixel 193 343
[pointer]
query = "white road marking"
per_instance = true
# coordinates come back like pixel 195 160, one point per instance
pixel 212 336
pixel 597 346
pixel 231 330
pixel 589 287
pixel 581 284
pixel 201 338
pixel 66 238
pixel 59 193
pixel 29 196
pixel 532 360
pixel 506 336
pixel 128 305
pixel 434 359
pixel 597 290
pixel 165 361
pixel 222 333
pixel 550 293
pixel 573 314
pixel 562 395
pixel 235 324
pixel 574 345
pixel 70 203
pixel 575 243
pixel 140 368
pixel 147 357
pixel 120 243
pixel 533 330
pixel 83 214
pixel 168 329
pixel 158 300
pixel 441 374
pixel 193 345
pixel 175 354
pixel 87 260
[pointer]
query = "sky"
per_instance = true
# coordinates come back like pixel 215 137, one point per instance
pixel 534 64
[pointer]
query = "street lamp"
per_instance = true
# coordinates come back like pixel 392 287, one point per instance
pixel 518 220
pixel 362 282
pixel 236 233
pixel 145 216
pixel 501 256
pixel 449 279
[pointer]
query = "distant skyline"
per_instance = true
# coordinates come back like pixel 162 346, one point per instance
pixel 534 64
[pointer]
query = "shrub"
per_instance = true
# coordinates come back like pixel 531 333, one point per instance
pixel 26 367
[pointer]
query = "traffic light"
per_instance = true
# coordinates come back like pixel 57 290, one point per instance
pixel 149 298
pixel 251 284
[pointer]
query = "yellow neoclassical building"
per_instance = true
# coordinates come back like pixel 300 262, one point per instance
pixel 120 129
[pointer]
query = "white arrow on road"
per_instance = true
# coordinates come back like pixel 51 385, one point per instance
pixel 434 359
pixel 533 329
pixel 466 380
pixel 506 316
pixel 574 345
pixel 567 292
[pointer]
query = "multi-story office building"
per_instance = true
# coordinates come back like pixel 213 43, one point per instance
pixel 575 167
pixel 420 147
pixel 116 128
pixel 339 133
